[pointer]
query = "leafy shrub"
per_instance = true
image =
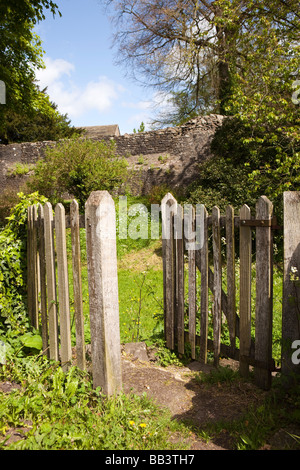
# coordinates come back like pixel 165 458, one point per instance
pixel 77 167
pixel 247 164
pixel 13 238
pixel 224 179
pixel 8 199
pixel 64 412
pixel 157 193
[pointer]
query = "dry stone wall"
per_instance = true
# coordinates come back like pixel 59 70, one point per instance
pixel 168 156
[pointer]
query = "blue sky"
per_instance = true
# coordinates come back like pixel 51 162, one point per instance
pixel 80 73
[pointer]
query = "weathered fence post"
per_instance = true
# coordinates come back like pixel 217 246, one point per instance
pixel 63 286
pixel 204 287
pixel 291 289
pixel 33 267
pixel 100 219
pixel 217 292
pixel 42 256
pixel 190 235
pixel 264 297
pixel 29 263
pixel 76 264
pixel 51 282
pixel 179 247
pixel 245 290
pixel 168 210
pixel 230 255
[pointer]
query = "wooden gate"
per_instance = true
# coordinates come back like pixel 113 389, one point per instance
pixel 191 235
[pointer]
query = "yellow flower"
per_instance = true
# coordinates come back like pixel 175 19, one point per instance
pixel 3 430
pixel 143 425
pixel 132 423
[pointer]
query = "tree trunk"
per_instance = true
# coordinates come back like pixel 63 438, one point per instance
pixel 224 88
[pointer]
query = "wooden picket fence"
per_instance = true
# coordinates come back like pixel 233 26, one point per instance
pixel 48 285
pixel 187 233
pixel 191 235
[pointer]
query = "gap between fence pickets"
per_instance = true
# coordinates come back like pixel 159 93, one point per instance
pixel 264 223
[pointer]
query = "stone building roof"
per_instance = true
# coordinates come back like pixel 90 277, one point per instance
pixel 97 132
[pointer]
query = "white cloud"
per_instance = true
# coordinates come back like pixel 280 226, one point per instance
pixel 148 109
pixel 144 105
pixel 98 95
pixel 142 110
pixel 94 101
pixel 53 71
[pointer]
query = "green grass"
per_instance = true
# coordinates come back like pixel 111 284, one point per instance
pixel 61 411
pixel 141 304
pixel 274 414
pixel 140 297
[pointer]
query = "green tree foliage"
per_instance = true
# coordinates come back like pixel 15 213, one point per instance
pixel 140 129
pixel 264 81
pixel 252 47
pixel 77 167
pixel 20 50
pixel 38 126
pixel 20 55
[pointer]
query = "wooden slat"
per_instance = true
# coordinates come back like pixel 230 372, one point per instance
pixel 29 263
pixel 291 288
pixel 63 287
pixel 170 287
pixel 230 255
pixel 32 267
pixel 264 294
pixel 77 285
pixel 35 270
pixel 179 244
pixel 100 217
pixel 51 282
pixel 226 351
pixel 190 219
pixel 204 289
pixel 217 291
pixel 42 260
pixel 245 290
pixel 168 209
